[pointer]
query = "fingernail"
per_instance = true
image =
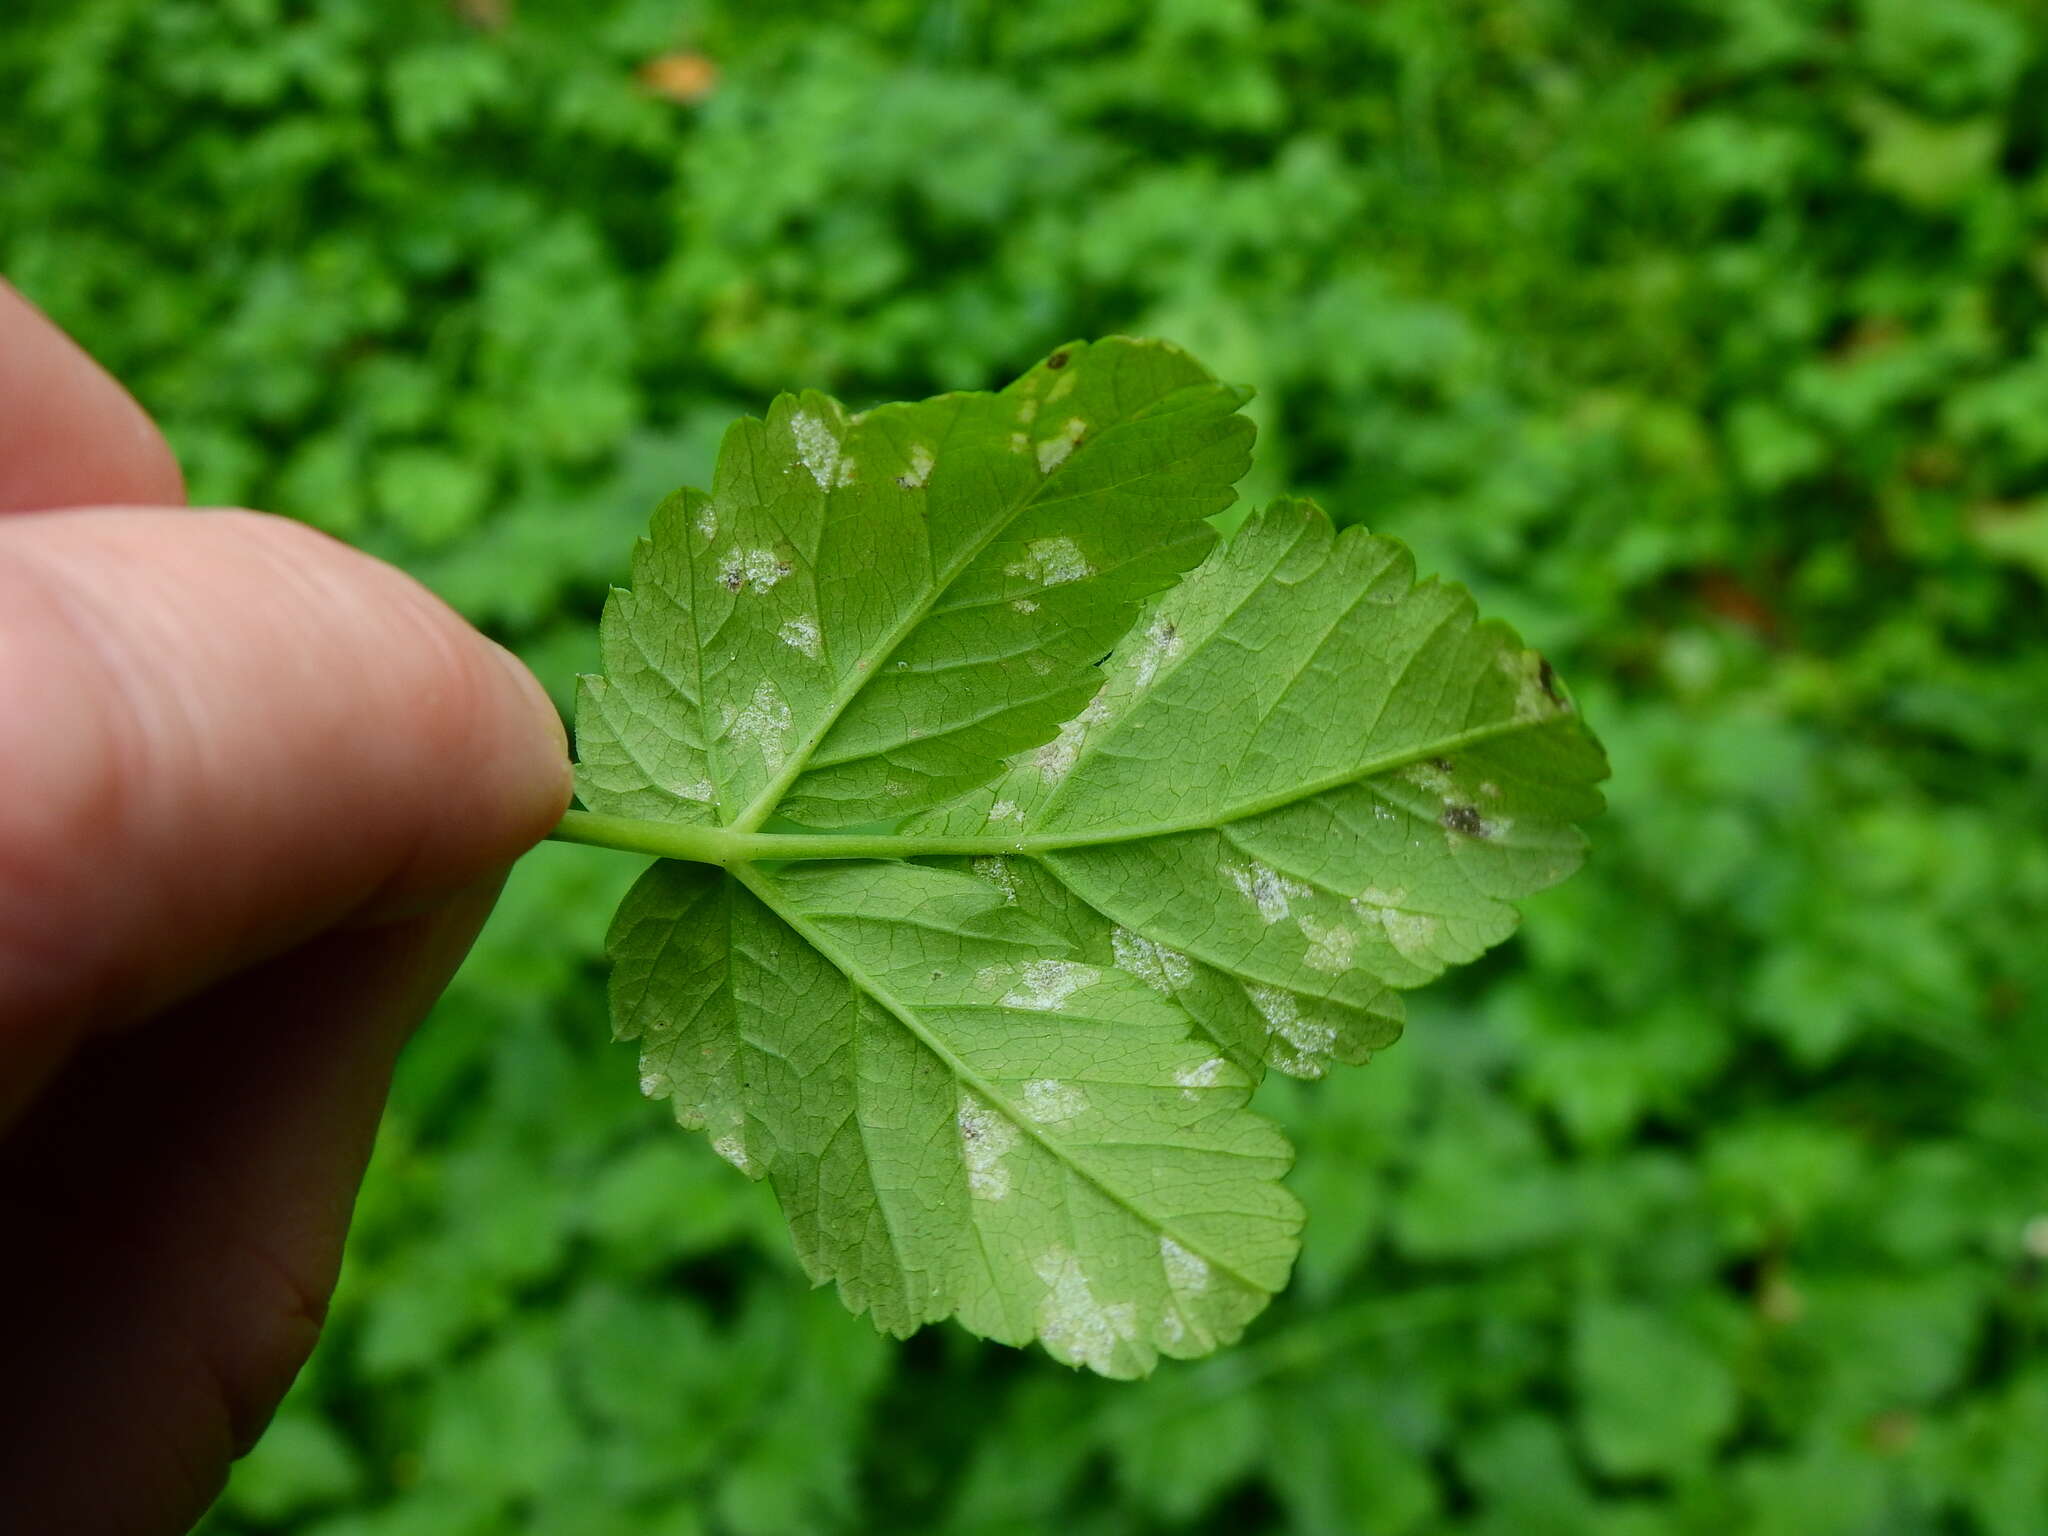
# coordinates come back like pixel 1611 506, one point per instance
pixel 542 706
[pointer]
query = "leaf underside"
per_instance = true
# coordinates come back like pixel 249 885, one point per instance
pixel 1002 1074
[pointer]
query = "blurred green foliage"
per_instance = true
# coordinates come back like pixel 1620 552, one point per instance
pixel 1706 339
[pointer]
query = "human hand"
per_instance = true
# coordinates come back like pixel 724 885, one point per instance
pixel 257 792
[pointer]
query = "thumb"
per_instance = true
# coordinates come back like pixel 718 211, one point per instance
pixel 227 733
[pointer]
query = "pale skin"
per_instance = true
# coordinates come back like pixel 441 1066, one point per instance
pixel 257 793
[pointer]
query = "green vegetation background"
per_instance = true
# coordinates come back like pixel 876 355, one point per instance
pixel 1706 339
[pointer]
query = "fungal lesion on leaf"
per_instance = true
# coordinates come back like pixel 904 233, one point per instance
pixel 752 569
pixel 919 472
pixel 1463 819
pixel 1538 695
pixel 1055 450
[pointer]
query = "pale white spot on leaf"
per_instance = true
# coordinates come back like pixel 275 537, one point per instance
pixel 1048 1101
pixel 764 724
pixel 1160 968
pixel 1186 1272
pixel 751 570
pixel 997 873
pixel 1053 451
pixel 1412 933
pixel 1330 947
pixel 1045 985
pixel 919 474
pixel 1532 699
pixel 1266 888
pixel 1296 1040
pixel 1075 1326
pixel 1203 1074
pixel 1051 562
pixel 1431 776
pixel 816 445
pixel 801 634
pixel 1161 645
pixel 1057 757
pixel 985 1138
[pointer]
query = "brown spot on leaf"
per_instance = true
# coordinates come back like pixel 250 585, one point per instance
pixel 1057 360
pixel 1464 819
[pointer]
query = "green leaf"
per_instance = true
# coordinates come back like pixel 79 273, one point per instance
pixel 973 943
pixel 868 612
pixel 1652 1397
pixel 1306 782
pixel 957 1116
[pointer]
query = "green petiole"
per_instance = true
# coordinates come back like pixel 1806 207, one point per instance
pixel 724 847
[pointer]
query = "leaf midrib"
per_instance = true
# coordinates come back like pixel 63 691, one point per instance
pixel 729 847
pixel 1280 799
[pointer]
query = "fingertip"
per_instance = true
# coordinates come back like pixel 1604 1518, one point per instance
pixel 535 727
pixel 484 709
pixel 488 749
